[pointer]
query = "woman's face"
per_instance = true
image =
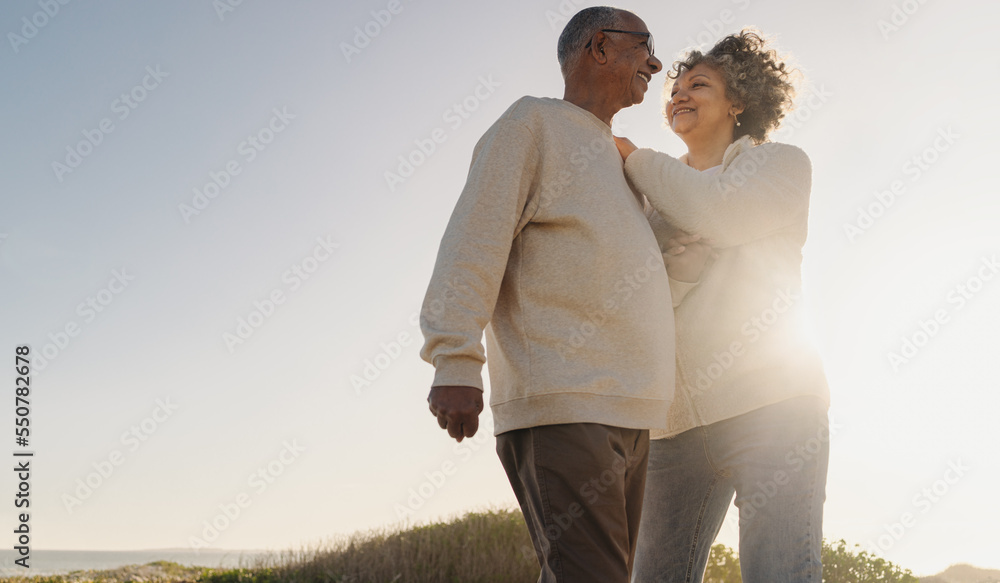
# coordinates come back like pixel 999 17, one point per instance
pixel 698 107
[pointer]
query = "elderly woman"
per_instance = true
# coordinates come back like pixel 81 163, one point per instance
pixel 750 414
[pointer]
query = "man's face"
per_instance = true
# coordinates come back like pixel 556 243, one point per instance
pixel 631 64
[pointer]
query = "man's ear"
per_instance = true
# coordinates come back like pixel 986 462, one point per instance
pixel 597 51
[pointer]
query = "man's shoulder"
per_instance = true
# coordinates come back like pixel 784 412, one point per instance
pixel 532 110
pixel 536 119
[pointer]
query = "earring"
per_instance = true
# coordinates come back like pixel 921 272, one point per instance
pixel 737 119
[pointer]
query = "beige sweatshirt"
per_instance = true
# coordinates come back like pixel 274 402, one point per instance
pixel 740 344
pixel 549 246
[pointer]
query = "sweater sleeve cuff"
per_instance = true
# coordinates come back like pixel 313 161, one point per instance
pixel 458 372
pixel 679 289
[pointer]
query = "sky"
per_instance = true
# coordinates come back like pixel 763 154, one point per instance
pixel 219 218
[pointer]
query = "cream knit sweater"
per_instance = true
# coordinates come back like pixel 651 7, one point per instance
pixel 551 248
pixel 739 340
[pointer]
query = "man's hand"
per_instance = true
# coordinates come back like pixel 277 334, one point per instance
pixel 457 409
pixel 625 146
pixel 687 255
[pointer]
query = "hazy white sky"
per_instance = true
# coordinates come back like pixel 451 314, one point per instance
pixel 200 242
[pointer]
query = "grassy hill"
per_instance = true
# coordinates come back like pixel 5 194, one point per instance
pixel 480 547
pixel 964 574
pixel 155 572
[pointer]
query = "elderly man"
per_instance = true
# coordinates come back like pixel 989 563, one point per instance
pixel 550 251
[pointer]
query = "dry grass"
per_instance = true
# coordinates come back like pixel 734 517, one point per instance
pixel 480 547
pixel 491 546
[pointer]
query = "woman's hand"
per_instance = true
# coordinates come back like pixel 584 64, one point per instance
pixel 625 147
pixel 687 255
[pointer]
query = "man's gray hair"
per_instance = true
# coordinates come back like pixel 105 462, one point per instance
pixel 584 24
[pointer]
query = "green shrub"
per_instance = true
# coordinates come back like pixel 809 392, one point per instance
pixel 840 565
pixel 262 575
pixel 723 566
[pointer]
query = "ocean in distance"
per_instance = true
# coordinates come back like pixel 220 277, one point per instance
pixel 57 562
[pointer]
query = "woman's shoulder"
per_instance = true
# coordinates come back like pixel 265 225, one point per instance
pixel 776 155
pixel 781 150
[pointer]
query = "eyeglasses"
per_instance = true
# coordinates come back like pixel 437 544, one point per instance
pixel 648 42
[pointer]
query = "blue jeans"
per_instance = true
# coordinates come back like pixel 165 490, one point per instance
pixel 775 460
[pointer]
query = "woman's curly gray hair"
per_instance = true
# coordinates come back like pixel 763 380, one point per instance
pixel 756 78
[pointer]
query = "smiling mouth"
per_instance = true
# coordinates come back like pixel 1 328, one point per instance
pixel 682 110
pixel 644 76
